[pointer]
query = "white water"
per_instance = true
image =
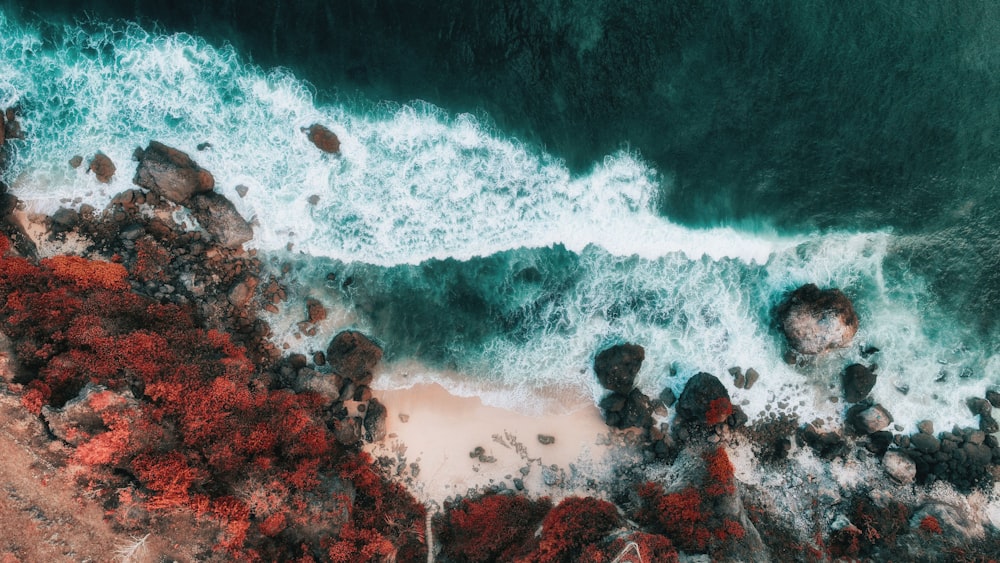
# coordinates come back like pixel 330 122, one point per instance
pixel 414 184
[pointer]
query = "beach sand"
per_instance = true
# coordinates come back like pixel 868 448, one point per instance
pixel 439 432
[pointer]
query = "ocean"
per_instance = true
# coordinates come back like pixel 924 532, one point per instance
pixel 522 184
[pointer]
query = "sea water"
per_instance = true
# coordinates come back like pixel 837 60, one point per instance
pixel 476 259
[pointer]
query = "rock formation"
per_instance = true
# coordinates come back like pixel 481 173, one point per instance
pixel 815 321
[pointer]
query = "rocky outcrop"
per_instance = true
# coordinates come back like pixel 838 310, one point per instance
pixel 867 419
pixel 102 167
pixel 353 356
pixel 815 321
pixel 617 366
pixel 704 400
pixel 80 418
pixel 218 216
pixel 170 173
pixel 324 139
pixel 632 410
pixel 858 381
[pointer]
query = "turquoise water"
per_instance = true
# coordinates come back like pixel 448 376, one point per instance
pixel 473 252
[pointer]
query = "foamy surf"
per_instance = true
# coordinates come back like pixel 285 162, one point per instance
pixel 471 251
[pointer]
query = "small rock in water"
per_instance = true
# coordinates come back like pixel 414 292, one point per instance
pixel 667 397
pixel 478 451
pixel 76 161
pixel 868 351
pixel 242 190
pixel 926 427
pixel 546 440
pixel 204 146
pixel 324 139
pixel 752 377
pixel 993 397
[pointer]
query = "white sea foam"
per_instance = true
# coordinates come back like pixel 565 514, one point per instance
pixel 414 184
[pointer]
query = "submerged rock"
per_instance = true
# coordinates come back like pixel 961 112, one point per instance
pixel 815 321
pixel 170 173
pixel 617 366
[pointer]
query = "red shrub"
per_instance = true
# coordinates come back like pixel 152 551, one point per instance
pixel 490 528
pixel 573 525
pixel 718 411
pixel 930 525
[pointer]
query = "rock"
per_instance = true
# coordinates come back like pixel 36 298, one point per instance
pixel 979 406
pixel 617 366
pixel 739 380
pixel 638 411
pixel 667 397
pixel 926 427
pixel 324 139
pixel 993 397
pixel 170 173
pixel 857 381
pixel 315 310
pixel 869 420
pixel 752 377
pixel 347 431
pixel 204 146
pixel 352 355
pixel 698 395
pixel 242 190
pixel 375 423
pixel 241 293
pixel 879 442
pixel 899 467
pixel 925 443
pixel 614 402
pixel 815 321
pixel 546 440
pixel 102 167
pixel 76 161
pixel 12 129
pixel 218 216
pixel 3 129
pixel 828 445
pixel 64 220
pixel 988 424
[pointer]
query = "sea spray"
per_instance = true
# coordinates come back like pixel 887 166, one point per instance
pixel 465 251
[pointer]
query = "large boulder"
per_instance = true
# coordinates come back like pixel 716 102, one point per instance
pixel 324 139
pixel 218 216
pixel 858 381
pixel 815 320
pixel 704 400
pixel 617 366
pixel 353 356
pixel 170 173
pixel 102 167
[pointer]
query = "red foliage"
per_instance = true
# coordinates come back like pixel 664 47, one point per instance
pixel 572 526
pixel 718 411
pixel 930 525
pixel 87 274
pixel 720 479
pixel 205 423
pixel 490 528
pixel 689 516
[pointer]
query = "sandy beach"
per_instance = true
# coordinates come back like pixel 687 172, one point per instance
pixel 441 433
